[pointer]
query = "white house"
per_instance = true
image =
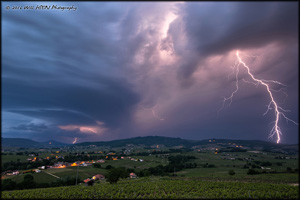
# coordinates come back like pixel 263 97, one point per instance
pixel 16 172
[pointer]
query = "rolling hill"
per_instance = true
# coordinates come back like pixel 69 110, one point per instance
pixel 149 141
pixel 27 143
pixel 172 142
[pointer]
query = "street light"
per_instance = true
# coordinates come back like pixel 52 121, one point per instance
pixel 77 169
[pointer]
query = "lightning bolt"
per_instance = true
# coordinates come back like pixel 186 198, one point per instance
pixel 278 111
pixel 75 140
pixel 154 113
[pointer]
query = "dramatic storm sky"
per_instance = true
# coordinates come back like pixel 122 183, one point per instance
pixel 113 70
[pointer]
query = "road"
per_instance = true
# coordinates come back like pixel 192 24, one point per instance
pixel 52 174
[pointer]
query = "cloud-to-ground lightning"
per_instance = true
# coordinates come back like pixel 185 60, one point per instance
pixel 156 116
pixel 75 140
pixel 154 113
pixel 278 111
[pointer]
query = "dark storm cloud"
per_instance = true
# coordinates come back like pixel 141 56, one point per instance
pixel 63 72
pixel 216 28
pixel 107 104
pixel 30 127
pixel 121 67
pixel 42 132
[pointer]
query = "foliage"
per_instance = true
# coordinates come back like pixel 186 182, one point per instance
pixel 8 184
pixel 180 159
pixel 252 172
pixel 162 189
pixel 96 165
pixel 27 183
pixel 288 169
pixel 115 174
pixel 231 172
pixel 28 177
pixel 109 167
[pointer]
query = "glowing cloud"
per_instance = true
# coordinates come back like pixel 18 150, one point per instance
pixel 85 129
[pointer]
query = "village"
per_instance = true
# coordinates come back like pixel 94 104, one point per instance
pixel 91 165
pixel 61 164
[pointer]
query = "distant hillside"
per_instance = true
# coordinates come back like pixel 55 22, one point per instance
pixel 54 143
pixel 171 142
pixel 27 143
pixel 18 142
pixel 147 141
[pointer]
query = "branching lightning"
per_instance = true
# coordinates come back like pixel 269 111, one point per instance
pixel 278 111
pixel 75 140
pixel 154 113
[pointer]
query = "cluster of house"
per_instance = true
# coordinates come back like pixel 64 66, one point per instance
pixel 166 155
pixel 135 159
pixel 10 172
pixel 122 157
pixel 265 168
pixel 67 164
pixel 231 158
pixel 16 172
pixel 282 157
pixel 90 181
pixel 199 148
pixel 77 163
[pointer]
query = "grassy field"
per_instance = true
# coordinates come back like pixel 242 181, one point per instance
pixel 218 172
pixel 201 182
pixel 23 158
pixel 45 177
pixel 38 177
pixel 241 175
pixel 8 158
pixel 149 161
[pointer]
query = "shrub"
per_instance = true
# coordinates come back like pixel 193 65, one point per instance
pixel 231 172
pixel 115 174
pixel 109 167
pixel 97 165
pixel 252 172
pixel 288 169
pixel 8 184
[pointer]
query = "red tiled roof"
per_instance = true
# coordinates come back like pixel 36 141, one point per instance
pixel 86 180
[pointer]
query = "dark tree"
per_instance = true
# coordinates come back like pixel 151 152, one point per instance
pixel 28 177
pixel 27 183
pixel 109 167
pixel 8 184
pixel 231 172
pixel 115 174
pixel 288 169
pixel 96 165
pixel 252 172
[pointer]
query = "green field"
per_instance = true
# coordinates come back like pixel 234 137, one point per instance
pixel 44 177
pixel 8 158
pixel 200 182
pixel 162 188
pixel 218 172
